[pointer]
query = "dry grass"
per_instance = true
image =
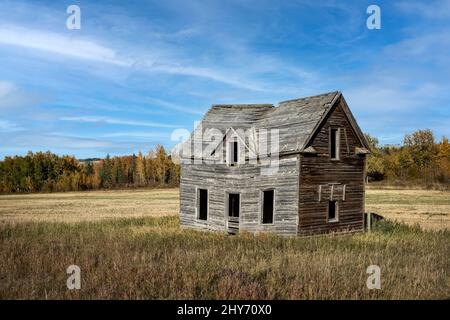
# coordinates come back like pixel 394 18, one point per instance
pixel 148 256
pixel 153 258
pixel 427 208
pixel 88 206
pixel 430 209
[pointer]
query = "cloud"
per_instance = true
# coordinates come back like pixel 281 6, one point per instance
pixel 136 134
pixel 438 9
pixel 13 97
pixel 59 44
pixel 173 106
pixel 425 47
pixel 81 147
pixel 379 98
pixel 93 51
pixel 108 120
pixel 195 54
pixel 8 126
pixel 206 73
pixel 179 34
pixel 6 88
pixel 27 139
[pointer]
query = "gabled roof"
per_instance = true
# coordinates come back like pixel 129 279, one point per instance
pixel 297 120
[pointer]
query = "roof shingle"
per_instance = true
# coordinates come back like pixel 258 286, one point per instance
pixel 295 119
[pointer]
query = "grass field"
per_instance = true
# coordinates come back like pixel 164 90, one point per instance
pixel 427 208
pixel 88 206
pixel 128 244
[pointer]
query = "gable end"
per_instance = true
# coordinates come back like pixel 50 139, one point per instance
pixel 338 100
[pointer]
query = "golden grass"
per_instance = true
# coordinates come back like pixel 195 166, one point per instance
pixel 152 258
pixel 428 208
pixel 129 246
pixel 88 206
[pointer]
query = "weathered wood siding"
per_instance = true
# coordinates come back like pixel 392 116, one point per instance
pixel 247 180
pixel 302 185
pixel 347 174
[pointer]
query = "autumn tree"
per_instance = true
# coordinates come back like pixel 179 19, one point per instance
pixel 443 158
pixel 160 165
pixel 139 171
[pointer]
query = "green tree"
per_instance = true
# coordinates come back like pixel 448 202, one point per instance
pixel 106 173
pixel 375 161
pixel 422 147
pixel 120 178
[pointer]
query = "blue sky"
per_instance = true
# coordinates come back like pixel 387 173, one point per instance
pixel 138 70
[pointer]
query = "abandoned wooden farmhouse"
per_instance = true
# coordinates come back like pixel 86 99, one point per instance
pixel 294 169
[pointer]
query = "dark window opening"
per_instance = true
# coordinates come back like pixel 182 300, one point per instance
pixel 233 205
pixel 333 143
pixel 203 204
pixel 267 206
pixel 332 210
pixel 235 152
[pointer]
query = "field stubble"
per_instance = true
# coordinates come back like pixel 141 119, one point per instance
pixel 142 253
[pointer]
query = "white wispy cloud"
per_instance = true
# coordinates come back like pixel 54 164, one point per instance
pixel 136 134
pixel 112 68
pixel 437 9
pixel 13 97
pixel 426 46
pixel 173 106
pixel 9 126
pixel 28 139
pixel 59 44
pixel 109 120
pixel 378 98
pixel 6 87
pixel 88 49
pixel 207 73
pixel 178 34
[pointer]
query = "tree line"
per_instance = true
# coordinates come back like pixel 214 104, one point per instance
pixel 419 160
pixel 48 172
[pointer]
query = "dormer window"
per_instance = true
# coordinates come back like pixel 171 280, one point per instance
pixel 233 153
pixel 334 143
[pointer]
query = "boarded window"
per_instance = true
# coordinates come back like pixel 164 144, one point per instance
pixel 233 205
pixel 267 216
pixel 332 211
pixel 334 143
pixel 202 204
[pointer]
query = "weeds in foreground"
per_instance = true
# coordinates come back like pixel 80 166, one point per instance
pixel 152 258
